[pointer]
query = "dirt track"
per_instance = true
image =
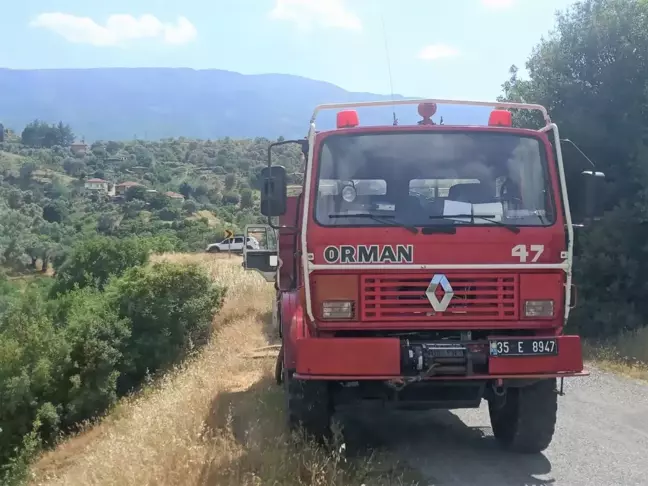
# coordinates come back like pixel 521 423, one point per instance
pixel 601 439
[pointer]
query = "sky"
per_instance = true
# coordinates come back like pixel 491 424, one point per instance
pixel 459 49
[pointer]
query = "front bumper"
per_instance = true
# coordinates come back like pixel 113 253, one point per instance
pixel 380 359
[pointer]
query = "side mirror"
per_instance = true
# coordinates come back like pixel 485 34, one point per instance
pixel 273 191
pixel 592 194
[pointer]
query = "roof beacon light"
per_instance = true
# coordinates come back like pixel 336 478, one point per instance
pixel 347 119
pixel 500 118
pixel 427 111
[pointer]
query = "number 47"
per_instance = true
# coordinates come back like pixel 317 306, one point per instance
pixel 522 253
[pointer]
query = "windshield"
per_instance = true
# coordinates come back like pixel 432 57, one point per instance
pixel 426 178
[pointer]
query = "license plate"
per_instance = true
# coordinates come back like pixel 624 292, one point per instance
pixel 524 347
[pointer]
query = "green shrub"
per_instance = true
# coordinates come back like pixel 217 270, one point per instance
pixel 33 356
pixel 94 260
pixel 170 308
pixel 67 360
pixel 96 337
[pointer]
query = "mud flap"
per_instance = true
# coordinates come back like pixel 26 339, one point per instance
pixel 279 366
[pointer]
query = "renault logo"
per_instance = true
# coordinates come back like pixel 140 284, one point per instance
pixel 448 293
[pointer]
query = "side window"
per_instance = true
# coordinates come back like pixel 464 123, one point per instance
pixel 238 240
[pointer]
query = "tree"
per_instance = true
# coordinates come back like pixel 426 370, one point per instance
pixel 27 170
pixel 136 192
pixel 40 134
pixel 230 198
pixel 64 135
pixel 230 181
pixel 158 201
pixel 591 75
pixel 15 199
pixel 54 212
pixel 93 261
pixel 190 207
pixel 185 189
pixel 73 167
pixel 247 199
pixel 113 147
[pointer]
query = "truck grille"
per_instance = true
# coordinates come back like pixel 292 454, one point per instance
pixel 476 297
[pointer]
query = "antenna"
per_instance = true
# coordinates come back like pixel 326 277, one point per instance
pixel 581 152
pixel 389 70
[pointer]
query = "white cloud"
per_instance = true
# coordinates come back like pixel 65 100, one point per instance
pixel 118 30
pixel 497 4
pixel 437 51
pixel 325 13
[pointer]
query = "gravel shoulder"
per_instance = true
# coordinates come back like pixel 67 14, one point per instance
pixel 601 438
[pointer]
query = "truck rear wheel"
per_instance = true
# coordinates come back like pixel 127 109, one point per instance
pixel 308 407
pixel 526 421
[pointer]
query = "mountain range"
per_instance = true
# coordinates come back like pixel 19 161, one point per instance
pixel 154 103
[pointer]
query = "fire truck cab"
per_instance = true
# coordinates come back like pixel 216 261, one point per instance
pixel 426 266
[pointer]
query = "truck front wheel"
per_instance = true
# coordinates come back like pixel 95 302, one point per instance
pixel 308 407
pixel 525 422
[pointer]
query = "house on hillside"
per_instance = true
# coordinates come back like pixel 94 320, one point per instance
pixel 175 196
pixel 97 185
pixel 122 187
pixel 79 148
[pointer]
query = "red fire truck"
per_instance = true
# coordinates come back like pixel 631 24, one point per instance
pixel 426 266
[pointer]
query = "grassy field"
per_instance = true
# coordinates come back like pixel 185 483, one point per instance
pixel 626 355
pixel 218 420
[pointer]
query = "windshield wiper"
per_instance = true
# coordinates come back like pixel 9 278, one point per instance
pixel 385 219
pixel 487 217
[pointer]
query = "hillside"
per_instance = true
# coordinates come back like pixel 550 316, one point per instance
pixel 186 191
pixel 154 103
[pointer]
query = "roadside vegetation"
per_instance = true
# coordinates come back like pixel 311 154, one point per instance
pixel 217 418
pixel 103 313
pixel 591 74
pixel 69 352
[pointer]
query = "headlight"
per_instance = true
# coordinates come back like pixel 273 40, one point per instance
pixel 539 308
pixel 339 309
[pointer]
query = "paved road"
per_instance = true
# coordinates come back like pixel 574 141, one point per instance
pixel 601 439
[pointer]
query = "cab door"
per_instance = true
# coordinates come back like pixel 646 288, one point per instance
pixel 265 259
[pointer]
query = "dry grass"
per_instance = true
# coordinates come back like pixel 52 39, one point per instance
pixel 218 420
pixel 627 354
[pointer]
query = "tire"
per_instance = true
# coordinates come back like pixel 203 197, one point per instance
pixel 308 408
pixel 214 249
pixel 526 422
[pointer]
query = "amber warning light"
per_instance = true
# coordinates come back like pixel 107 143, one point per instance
pixel 347 119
